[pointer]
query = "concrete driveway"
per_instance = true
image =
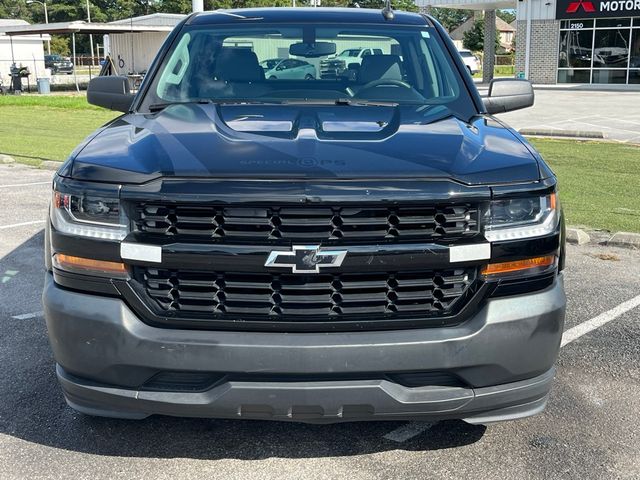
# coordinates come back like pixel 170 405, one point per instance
pixel 615 113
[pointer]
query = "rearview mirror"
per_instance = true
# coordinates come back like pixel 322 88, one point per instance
pixel 508 94
pixel 110 92
pixel 312 50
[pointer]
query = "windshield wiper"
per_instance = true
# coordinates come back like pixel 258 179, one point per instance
pixel 368 103
pixel 342 101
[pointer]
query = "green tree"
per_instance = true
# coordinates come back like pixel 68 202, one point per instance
pixel 473 39
pixel 451 18
pixel 18 9
pixel 60 45
pixel 174 6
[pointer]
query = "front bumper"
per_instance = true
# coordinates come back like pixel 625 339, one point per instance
pixel 504 355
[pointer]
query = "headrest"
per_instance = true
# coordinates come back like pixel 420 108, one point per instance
pixel 378 67
pixel 238 65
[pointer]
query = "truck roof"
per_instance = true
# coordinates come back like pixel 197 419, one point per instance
pixel 305 15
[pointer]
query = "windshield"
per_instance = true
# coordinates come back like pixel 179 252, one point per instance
pixel 298 64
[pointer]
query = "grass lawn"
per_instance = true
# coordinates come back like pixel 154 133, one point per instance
pixel 36 128
pixel 500 71
pixel 599 182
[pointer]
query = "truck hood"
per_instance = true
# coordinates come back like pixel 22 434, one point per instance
pixel 305 142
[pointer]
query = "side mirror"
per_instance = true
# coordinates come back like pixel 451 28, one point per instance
pixel 110 92
pixel 508 94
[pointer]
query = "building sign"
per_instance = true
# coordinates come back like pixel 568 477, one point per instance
pixel 570 9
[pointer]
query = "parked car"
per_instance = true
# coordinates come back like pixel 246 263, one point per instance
pixel 471 61
pixel 317 250
pixel 289 69
pixel 338 65
pixel 58 64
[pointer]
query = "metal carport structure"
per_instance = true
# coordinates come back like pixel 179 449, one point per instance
pixel 65 28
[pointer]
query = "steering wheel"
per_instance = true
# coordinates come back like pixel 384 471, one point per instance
pixel 383 82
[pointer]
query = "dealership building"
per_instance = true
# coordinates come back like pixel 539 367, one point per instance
pixel 569 41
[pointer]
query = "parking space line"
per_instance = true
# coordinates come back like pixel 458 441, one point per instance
pixel 3 227
pixel 405 432
pixel 27 316
pixel 26 184
pixel 410 430
pixel 597 322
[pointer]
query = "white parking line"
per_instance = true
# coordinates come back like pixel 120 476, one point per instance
pixel 27 316
pixel 26 184
pixel 3 227
pixel 597 322
pixel 405 432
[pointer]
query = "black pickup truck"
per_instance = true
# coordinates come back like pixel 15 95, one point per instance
pixel 377 246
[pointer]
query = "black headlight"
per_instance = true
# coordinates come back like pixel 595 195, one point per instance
pixel 88 213
pixel 522 217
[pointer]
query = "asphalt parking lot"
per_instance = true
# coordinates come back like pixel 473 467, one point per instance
pixel 582 110
pixel 589 430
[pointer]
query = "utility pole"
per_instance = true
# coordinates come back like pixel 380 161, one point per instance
pixel 90 35
pixel 46 19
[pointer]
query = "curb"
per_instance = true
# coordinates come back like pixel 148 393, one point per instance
pixel 550 132
pixel 578 236
pixel 50 165
pixel 625 240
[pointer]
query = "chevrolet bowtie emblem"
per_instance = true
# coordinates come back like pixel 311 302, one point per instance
pixel 306 259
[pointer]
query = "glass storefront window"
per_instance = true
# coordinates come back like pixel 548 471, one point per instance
pixel 575 48
pixel 609 76
pixel 605 50
pixel 634 58
pixel 576 25
pixel 613 22
pixel 574 76
pixel 611 48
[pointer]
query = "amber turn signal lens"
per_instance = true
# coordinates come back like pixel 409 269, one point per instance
pixel 88 265
pixel 527 263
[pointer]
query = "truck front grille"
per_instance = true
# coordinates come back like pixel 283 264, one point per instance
pixel 270 297
pixel 259 225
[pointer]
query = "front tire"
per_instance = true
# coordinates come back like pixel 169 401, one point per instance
pixel 308 76
pixel 273 77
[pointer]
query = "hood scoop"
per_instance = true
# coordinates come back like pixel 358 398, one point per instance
pixel 328 122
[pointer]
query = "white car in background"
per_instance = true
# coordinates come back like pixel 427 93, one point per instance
pixel 470 60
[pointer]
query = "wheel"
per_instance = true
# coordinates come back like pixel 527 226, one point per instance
pixel 273 77
pixel 308 76
pixel 470 72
